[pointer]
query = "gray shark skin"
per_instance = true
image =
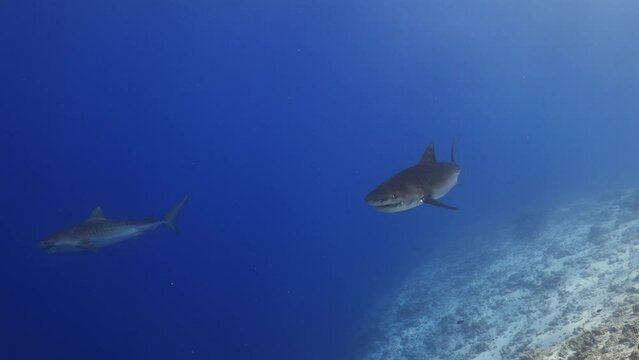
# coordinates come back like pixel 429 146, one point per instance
pixel 98 231
pixel 422 183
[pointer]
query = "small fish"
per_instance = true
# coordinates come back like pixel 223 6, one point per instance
pixel 98 231
pixel 419 184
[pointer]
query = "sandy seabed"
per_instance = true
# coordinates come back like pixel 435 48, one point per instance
pixel 559 285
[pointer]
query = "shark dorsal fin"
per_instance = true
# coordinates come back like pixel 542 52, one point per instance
pixel 429 155
pixel 96 215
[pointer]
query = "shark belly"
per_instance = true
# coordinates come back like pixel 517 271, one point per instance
pixel 116 236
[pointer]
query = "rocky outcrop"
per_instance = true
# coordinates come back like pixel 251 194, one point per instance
pixel 616 338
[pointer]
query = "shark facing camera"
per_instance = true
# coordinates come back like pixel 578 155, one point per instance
pixel 423 183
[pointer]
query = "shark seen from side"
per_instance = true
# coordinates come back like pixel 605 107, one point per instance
pixel 98 231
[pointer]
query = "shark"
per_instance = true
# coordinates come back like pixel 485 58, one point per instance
pixel 423 183
pixel 98 231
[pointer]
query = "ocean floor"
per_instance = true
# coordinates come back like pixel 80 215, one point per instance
pixel 559 285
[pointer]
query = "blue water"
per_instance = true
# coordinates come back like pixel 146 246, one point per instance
pixel 279 116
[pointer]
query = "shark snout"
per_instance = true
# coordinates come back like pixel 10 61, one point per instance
pixel 369 199
pixel 46 245
pixel 385 202
pixel 393 199
pixel 374 198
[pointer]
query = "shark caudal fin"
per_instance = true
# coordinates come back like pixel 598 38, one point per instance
pixel 169 218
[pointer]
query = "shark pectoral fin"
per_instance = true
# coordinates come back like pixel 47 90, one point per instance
pixel 438 204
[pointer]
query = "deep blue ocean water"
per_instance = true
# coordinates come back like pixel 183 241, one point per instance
pixel 279 117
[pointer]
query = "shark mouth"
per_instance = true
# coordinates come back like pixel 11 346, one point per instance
pixel 391 207
pixel 388 206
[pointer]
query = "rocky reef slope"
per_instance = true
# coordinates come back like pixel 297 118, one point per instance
pixel 560 285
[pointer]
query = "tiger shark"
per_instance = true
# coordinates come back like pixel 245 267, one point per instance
pixel 98 231
pixel 423 183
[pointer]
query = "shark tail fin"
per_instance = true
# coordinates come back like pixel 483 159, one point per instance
pixel 452 150
pixel 169 218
